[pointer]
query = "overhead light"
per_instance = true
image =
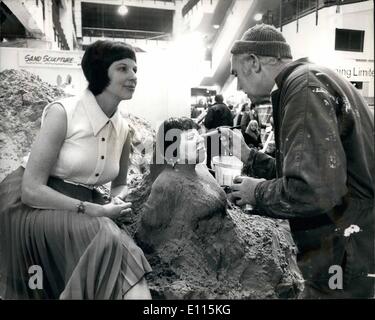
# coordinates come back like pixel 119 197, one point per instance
pixel 216 26
pixel 258 17
pixel 122 10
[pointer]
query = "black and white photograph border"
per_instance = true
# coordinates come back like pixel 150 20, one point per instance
pixel 187 150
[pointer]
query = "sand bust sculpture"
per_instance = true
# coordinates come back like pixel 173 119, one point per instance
pixel 200 245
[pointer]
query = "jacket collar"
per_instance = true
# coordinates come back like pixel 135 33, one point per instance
pixel 288 69
pixel 97 117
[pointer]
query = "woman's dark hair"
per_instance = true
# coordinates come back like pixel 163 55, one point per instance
pixel 179 125
pixel 97 59
pixel 243 108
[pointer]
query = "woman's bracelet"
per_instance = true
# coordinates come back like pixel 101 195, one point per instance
pixel 81 207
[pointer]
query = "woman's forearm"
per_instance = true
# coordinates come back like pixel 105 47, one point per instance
pixel 120 191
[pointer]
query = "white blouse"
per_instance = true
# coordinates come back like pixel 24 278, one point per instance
pixel 91 152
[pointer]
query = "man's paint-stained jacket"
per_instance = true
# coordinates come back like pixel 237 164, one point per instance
pixel 323 176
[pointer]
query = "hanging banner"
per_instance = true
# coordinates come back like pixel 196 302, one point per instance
pixel 354 70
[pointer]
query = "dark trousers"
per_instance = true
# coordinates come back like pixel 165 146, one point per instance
pixel 335 265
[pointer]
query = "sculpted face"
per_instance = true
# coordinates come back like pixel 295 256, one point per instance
pixel 191 148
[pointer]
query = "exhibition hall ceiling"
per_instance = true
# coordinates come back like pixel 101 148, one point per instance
pixel 140 22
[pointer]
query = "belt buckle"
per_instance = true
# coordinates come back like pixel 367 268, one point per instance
pixel 104 193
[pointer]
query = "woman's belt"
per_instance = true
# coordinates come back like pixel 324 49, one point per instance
pixel 88 186
pixel 96 194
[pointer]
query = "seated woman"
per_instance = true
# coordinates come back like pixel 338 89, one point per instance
pixel 51 215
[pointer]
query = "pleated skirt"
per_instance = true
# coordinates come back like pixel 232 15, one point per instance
pixel 60 254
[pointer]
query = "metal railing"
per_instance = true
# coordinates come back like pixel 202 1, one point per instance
pixel 290 11
pixel 125 33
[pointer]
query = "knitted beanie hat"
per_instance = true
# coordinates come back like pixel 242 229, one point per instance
pixel 264 40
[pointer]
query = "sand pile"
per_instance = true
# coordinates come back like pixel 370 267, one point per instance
pixel 143 137
pixel 23 96
pixel 248 257
pixel 201 246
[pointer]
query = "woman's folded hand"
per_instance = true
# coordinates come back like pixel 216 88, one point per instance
pixel 116 208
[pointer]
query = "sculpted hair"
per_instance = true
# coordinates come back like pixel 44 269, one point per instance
pixel 173 126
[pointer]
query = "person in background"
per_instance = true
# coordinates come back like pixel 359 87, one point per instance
pixel 51 214
pixel 230 107
pixel 209 101
pixel 253 134
pixel 245 120
pixel 271 149
pixel 217 115
pixel 253 113
pixel 244 108
pixel 237 111
pixel 195 112
pixel 323 177
pixel 249 115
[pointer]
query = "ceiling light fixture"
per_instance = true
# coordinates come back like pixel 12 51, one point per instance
pixel 122 10
pixel 258 17
pixel 216 26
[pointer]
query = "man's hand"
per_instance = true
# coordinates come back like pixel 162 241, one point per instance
pixel 244 190
pixel 234 143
